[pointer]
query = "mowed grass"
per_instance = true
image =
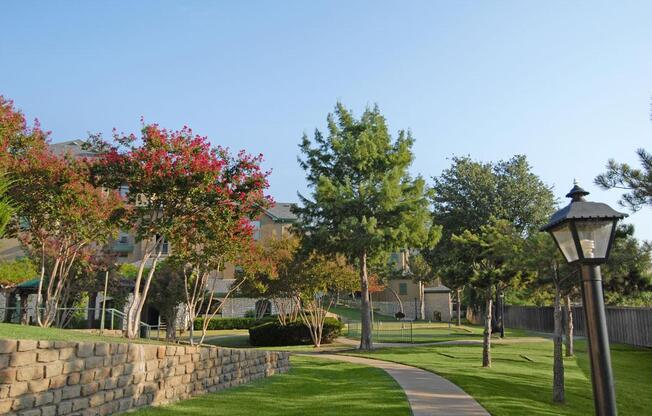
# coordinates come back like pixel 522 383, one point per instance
pixel 348 313
pixel 312 387
pixel 16 331
pixel 516 386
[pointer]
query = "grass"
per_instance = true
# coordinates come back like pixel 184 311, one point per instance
pixel 312 387
pixel 348 313
pixel 16 331
pixel 514 385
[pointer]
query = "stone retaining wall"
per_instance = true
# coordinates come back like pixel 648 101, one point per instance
pixel 47 378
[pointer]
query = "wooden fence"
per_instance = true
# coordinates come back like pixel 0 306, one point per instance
pixel 631 326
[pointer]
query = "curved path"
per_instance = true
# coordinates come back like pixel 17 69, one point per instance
pixel 428 393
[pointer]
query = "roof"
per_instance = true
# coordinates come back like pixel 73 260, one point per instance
pixel 583 210
pixel 436 289
pixel 282 212
pixel 71 147
pixel 28 284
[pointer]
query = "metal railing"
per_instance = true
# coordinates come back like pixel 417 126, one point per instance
pixel 401 331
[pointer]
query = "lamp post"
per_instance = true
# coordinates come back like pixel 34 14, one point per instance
pixel 584 232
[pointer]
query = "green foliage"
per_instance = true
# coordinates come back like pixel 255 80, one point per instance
pixel 17 271
pixel 363 199
pixel 472 194
pixel 7 208
pixel 636 182
pixel 129 271
pixel 293 333
pixel 628 272
pixel 496 251
pixel 232 323
pixel 168 291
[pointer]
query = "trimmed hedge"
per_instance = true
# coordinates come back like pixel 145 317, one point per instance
pixel 232 323
pixel 273 334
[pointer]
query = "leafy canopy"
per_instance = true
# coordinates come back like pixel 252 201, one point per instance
pixel 637 183
pixel 363 199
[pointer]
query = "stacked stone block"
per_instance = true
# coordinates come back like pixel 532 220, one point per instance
pixel 48 378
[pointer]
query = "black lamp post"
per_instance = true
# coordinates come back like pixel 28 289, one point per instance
pixel 584 232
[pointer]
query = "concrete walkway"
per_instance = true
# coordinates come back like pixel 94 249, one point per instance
pixel 428 393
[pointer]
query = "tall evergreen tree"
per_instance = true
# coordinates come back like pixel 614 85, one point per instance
pixel 364 202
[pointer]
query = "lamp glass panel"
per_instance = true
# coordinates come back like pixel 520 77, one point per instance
pixel 594 238
pixel 564 237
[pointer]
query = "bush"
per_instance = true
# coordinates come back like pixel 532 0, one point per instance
pixel 273 334
pixel 232 323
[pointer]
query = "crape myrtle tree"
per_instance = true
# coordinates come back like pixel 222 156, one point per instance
pixel 363 202
pixel 268 273
pixel 313 277
pixel 7 208
pixel 496 251
pixel 201 249
pixel 470 194
pixel 64 218
pixel 172 176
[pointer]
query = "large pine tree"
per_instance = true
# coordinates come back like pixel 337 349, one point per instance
pixel 364 203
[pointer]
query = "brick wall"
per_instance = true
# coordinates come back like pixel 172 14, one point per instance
pixel 46 378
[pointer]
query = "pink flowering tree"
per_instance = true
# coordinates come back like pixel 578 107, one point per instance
pixel 176 184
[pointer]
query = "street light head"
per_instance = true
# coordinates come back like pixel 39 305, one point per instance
pixel 584 230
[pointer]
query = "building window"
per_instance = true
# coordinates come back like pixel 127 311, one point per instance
pixel 256 231
pixel 123 190
pixel 163 245
pixel 402 289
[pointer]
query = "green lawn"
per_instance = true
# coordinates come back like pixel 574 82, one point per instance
pixel 16 331
pixel 516 386
pixel 312 387
pixel 353 314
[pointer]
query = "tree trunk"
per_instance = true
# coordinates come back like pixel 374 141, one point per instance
pixel 365 307
pixel 486 341
pixel 398 298
pixel 558 365
pixel 459 307
pixel 23 309
pixel 171 326
pixel 570 349
pixel 92 300
pixel 422 303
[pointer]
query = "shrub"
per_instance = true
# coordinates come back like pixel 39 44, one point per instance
pixel 232 323
pixel 272 334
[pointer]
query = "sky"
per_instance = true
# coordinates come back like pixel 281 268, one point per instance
pixel 569 84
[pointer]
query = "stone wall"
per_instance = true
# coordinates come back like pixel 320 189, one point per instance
pixel 47 378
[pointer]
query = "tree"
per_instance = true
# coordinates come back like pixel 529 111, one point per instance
pixel 16 271
pixel 637 183
pixel 553 271
pixel 269 273
pixel 64 218
pixel 172 177
pixel 363 202
pixel 422 274
pixel 315 276
pixel 471 194
pixel 7 209
pixel 167 293
pixel 496 250
pixel 628 271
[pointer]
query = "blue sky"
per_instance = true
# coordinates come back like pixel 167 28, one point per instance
pixel 566 83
